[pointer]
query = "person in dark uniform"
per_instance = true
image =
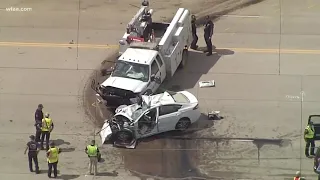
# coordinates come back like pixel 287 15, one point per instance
pixel 194 33
pixel 208 32
pixel 38 116
pixel 33 149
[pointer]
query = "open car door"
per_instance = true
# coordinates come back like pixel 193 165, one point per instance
pixel 147 125
pixel 316 123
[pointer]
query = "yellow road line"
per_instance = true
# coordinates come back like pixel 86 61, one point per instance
pixel 94 46
pixel 112 46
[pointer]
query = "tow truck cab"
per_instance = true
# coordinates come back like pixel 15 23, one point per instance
pixel 137 71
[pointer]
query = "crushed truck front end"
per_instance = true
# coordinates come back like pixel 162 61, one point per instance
pixel 130 78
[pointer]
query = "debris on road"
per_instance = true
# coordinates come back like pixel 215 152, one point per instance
pixel 210 83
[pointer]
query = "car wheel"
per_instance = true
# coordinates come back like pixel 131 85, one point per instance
pixel 183 124
pixel 123 136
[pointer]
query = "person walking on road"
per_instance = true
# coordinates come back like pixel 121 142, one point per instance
pixel 194 33
pixel 33 149
pixel 53 158
pixel 38 116
pixel 309 138
pixel 92 151
pixel 46 129
pixel 208 32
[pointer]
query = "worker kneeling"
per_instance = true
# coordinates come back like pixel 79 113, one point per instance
pixel 92 151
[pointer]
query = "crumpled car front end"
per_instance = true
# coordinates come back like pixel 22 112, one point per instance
pixel 118 132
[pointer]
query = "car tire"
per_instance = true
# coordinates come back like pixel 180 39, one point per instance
pixel 183 124
pixel 124 136
pixel 184 60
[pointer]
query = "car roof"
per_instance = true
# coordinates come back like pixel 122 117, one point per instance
pixel 141 56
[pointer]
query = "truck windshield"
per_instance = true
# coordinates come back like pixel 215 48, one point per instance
pixel 131 70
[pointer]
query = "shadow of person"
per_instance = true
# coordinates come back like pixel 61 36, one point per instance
pixel 67 176
pixel 59 142
pixel 102 160
pixel 113 174
pixel 67 149
pixel 221 52
pixel 45 171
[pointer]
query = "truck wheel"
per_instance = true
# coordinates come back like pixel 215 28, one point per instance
pixel 184 60
pixel 183 124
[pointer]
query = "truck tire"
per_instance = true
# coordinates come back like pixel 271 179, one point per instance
pixel 184 60
pixel 183 124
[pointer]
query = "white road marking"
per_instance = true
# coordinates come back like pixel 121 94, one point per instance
pixel 292 97
pixel 302 95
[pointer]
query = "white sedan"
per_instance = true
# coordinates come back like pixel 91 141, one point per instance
pixel 152 115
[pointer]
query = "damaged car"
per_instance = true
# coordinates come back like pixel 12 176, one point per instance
pixel 151 115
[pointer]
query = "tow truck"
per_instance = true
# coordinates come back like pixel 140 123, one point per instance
pixel 149 53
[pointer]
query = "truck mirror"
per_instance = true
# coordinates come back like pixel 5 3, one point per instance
pixel 105 72
pixel 155 79
pixel 152 77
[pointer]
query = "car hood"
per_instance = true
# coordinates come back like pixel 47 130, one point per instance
pixel 133 85
pixel 105 132
pixel 127 111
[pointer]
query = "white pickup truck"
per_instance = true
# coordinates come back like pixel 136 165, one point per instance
pixel 146 59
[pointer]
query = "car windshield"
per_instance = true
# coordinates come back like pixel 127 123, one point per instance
pixel 315 120
pixel 131 70
pixel 179 97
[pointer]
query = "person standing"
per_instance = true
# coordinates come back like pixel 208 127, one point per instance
pixel 53 158
pixel 194 33
pixel 46 129
pixel 38 116
pixel 92 151
pixel 208 32
pixel 33 150
pixel 309 138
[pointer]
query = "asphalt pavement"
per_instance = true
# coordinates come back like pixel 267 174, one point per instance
pixel 265 68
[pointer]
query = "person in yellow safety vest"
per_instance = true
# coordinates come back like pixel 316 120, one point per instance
pixel 53 158
pixel 46 129
pixel 92 151
pixel 309 138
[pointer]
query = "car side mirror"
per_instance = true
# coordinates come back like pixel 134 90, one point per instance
pixel 155 79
